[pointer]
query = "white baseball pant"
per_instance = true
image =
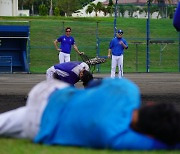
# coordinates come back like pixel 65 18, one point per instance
pixel 49 73
pixel 64 57
pixel 24 122
pixel 117 61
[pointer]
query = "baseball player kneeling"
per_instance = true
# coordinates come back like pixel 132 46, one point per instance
pixel 70 72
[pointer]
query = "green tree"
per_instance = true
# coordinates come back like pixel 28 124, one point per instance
pixel 89 9
pixel 56 11
pixel 131 9
pixel 21 4
pixel 122 10
pixel 105 10
pixel 65 6
pixel 99 6
pixel 69 6
pixel 170 11
pixel 162 6
pixel 110 3
pixel 145 9
pixel 32 5
pixel 96 7
pixel 29 4
pixel 140 9
pixel 110 9
pixel 153 9
pixel 43 10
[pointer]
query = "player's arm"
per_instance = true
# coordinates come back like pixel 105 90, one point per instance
pixel 109 53
pixel 124 44
pixel 56 45
pixel 76 49
pixel 110 48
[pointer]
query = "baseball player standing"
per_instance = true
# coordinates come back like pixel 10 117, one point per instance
pixel 116 48
pixel 66 41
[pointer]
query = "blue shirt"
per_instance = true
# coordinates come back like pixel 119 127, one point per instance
pixel 93 118
pixel 69 71
pixel 116 47
pixel 66 43
pixel 176 20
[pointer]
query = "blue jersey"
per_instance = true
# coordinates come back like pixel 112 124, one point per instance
pixel 69 71
pixel 176 20
pixel 66 43
pixel 116 47
pixel 93 118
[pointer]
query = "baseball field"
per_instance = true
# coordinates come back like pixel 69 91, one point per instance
pixel 154 86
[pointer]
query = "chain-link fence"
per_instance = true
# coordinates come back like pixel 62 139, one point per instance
pixel 93 38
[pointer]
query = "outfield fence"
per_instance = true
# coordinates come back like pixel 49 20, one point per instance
pixel 93 38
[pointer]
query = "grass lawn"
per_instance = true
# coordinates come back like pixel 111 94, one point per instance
pixel 92 36
pixel 21 146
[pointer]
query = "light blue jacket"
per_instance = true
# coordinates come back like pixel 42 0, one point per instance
pixel 98 117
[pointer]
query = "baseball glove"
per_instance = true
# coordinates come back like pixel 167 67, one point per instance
pixel 92 61
pixel 95 61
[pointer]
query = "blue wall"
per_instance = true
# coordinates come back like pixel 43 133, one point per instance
pixel 13 43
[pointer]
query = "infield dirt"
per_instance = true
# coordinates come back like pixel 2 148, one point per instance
pixel 156 87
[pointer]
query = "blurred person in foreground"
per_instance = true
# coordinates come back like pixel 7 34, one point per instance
pixel 105 115
pixel 176 19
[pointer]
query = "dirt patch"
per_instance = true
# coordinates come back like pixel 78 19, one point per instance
pixel 156 87
pixel 9 102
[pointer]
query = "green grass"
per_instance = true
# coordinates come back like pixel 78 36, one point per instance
pixel 44 30
pixel 22 146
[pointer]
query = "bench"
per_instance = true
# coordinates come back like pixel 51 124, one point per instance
pixel 13 43
pixel 5 61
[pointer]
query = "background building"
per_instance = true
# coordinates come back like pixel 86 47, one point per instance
pixel 10 8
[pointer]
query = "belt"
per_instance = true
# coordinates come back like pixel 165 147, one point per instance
pixel 64 52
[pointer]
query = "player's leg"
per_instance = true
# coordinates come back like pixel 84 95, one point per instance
pixel 67 57
pixel 61 57
pixel 120 66
pixel 50 72
pixel 11 123
pixel 36 103
pixel 113 66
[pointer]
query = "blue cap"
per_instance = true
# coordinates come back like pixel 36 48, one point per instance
pixel 120 31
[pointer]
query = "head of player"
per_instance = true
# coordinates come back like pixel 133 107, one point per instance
pixel 68 31
pixel 119 33
pixel 85 76
pixel 159 120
